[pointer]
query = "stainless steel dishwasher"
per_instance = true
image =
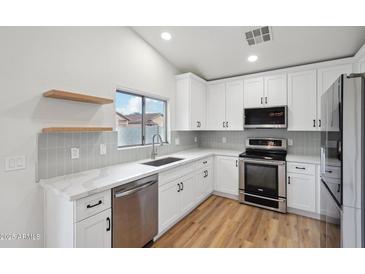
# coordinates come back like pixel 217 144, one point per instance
pixel 135 212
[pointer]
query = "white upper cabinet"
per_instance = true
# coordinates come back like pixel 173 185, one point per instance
pixel 190 102
pixel 216 102
pixel 275 90
pixel 234 105
pixel 302 101
pixel 362 65
pixel 225 106
pixel 326 77
pixel 253 91
pixel 265 91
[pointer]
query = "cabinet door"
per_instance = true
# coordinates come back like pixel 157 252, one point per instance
pixel 275 90
pixel 94 231
pixel 226 179
pixel 204 183
pixel 362 66
pixel 216 101
pixel 326 77
pixel 234 105
pixel 302 100
pixel 168 205
pixel 188 193
pixel 197 104
pixel 253 92
pixel 301 192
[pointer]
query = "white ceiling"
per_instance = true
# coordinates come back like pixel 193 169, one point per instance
pixel 218 52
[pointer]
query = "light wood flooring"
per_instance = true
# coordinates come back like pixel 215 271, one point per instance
pixel 221 222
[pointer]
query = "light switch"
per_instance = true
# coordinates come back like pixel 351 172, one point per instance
pixel 224 140
pixel 195 139
pixel 75 153
pixel 290 142
pixel 102 149
pixel 15 163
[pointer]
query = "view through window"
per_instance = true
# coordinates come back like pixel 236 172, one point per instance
pixel 138 118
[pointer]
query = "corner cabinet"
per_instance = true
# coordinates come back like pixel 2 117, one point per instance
pixel 225 106
pixel 268 91
pixel 302 101
pixel 190 111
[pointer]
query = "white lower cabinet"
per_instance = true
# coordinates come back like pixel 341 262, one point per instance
pixel 226 175
pixel 204 180
pixel 168 205
pixel 188 193
pixel 302 188
pixel 94 231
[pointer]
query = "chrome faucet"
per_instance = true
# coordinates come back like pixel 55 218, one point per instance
pixel 154 150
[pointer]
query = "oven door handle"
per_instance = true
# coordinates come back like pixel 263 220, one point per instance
pixel 263 197
pixel 266 162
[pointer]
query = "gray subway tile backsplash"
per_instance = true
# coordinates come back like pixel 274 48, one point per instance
pixel 54 156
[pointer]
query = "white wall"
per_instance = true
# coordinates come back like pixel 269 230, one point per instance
pixel 93 60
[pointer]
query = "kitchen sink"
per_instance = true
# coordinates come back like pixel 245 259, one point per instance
pixel 163 161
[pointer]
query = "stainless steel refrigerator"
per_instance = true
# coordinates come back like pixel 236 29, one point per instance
pixel 342 163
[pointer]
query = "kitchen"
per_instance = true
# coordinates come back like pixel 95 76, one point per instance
pixel 119 162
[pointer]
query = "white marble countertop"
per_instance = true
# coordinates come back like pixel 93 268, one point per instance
pixel 309 159
pixel 79 185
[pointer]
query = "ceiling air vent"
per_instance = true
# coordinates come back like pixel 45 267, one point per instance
pixel 258 36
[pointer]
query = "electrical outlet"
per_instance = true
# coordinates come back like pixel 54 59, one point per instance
pixel 75 153
pixel 102 149
pixel 15 163
pixel 290 142
pixel 224 140
pixel 196 139
pixel 177 141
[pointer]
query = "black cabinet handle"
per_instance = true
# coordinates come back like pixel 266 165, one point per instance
pixel 206 173
pixel 205 162
pixel 109 224
pixel 224 124
pixel 302 168
pixel 227 124
pixel 338 188
pixel 179 187
pixel 236 163
pixel 200 124
pixel 261 100
pixel 182 186
pixel 314 123
pixel 289 180
pixel 98 203
pixel 328 171
pixel 265 100
pixel 319 123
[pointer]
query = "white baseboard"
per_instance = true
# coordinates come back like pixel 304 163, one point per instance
pixel 304 213
pixel 226 195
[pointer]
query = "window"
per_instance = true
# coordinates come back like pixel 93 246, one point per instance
pixel 138 118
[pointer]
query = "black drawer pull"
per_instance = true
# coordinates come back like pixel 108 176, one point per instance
pixel 205 162
pixel 98 203
pixel 302 168
pixel 329 171
pixel 109 225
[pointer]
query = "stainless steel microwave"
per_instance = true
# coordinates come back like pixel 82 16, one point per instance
pixel 272 117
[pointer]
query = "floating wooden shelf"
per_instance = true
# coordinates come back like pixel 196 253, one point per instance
pixel 65 95
pixel 75 129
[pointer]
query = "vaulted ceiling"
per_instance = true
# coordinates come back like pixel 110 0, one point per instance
pixel 218 52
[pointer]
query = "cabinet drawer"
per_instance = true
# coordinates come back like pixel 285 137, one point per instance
pixel 204 163
pixel 92 205
pixel 333 172
pixel 301 168
pixel 173 174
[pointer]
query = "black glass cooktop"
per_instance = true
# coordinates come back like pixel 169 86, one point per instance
pixel 279 155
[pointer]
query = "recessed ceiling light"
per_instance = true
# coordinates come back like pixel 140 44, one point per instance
pixel 252 58
pixel 166 36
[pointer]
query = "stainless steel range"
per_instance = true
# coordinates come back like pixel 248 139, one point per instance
pixel 262 172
